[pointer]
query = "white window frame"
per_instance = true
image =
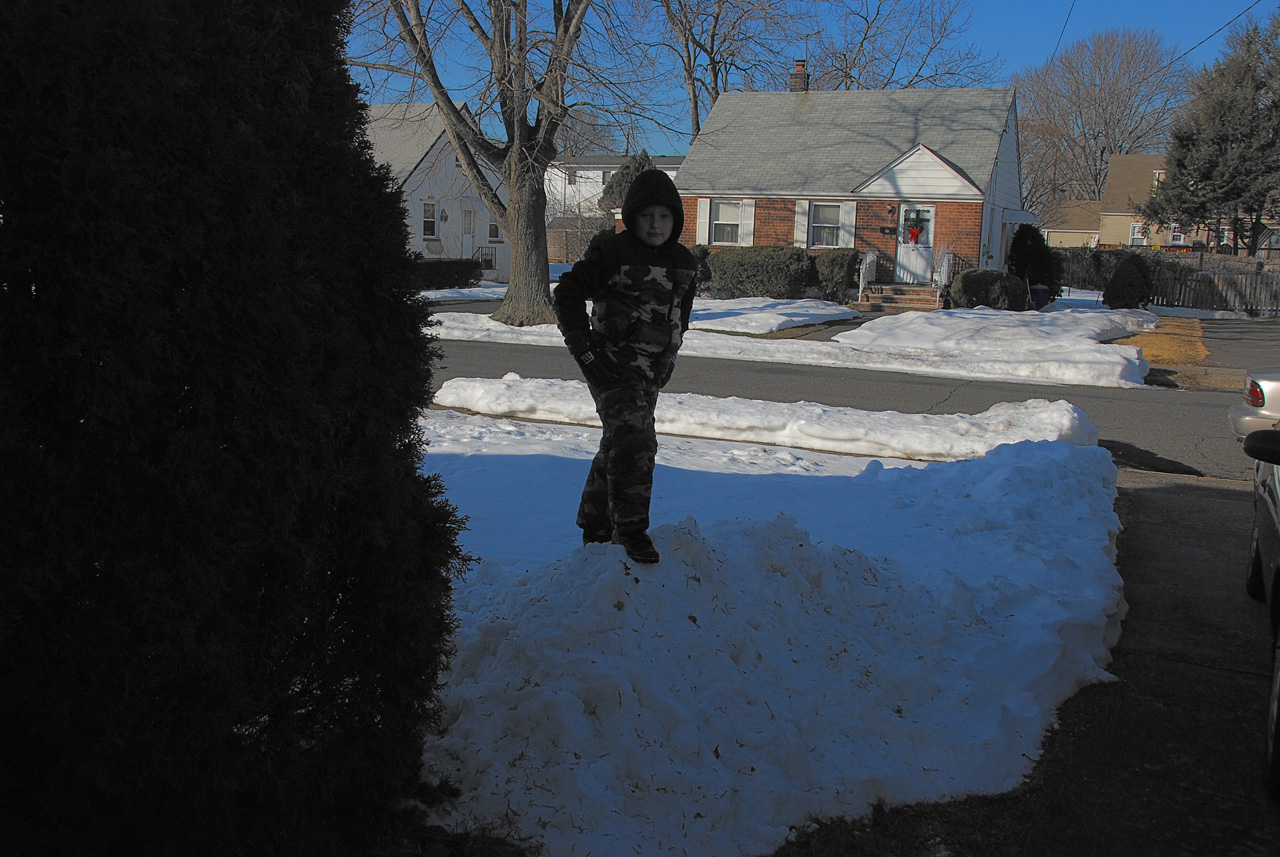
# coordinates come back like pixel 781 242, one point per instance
pixel 736 224
pixel 430 225
pixel 832 228
pixel 1176 235
pixel 1138 235
pixel 468 222
pixel 495 234
pixel 572 178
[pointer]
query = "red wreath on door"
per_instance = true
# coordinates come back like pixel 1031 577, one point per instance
pixel 913 234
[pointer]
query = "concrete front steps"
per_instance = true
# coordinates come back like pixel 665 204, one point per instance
pixel 895 297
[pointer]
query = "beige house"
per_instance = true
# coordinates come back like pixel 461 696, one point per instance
pixel 1074 224
pixel 1130 180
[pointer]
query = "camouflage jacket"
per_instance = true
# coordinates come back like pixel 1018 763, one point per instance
pixel 640 298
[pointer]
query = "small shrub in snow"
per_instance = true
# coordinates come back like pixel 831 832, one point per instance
pixel 1031 260
pixel 987 287
pixel 1130 285
pixel 446 273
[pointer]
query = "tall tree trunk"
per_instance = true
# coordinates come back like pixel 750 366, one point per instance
pixel 528 299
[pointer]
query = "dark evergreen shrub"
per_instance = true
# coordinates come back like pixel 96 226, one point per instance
pixel 1031 260
pixel 600 235
pixel 225 597
pixel 433 274
pixel 702 256
pixel 1130 285
pixel 977 287
pixel 615 189
pixel 761 272
pixel 837 273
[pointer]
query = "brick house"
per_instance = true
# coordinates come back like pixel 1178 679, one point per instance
pixel 912 174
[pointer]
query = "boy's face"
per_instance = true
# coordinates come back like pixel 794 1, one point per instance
pixel 654 224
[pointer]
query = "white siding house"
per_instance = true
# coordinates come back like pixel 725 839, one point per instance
pixel 445 216
pixel 575 184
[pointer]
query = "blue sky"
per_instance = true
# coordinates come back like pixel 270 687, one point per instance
pixel 1026 31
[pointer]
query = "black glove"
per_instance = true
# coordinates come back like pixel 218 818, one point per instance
pixel 666 376
pixel 597 366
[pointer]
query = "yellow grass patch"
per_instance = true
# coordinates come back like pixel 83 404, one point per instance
pixel 1174 342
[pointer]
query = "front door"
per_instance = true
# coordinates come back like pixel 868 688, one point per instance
pixel 915 244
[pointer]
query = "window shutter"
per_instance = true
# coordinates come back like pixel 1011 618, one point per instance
pixel 801 237
pixel 747 229
pixel 704 222
pixel 848 217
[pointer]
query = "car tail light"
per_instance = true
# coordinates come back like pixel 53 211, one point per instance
pixel 1253 394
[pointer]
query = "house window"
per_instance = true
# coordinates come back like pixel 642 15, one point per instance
pixel 428 220
pixel 726 215
pixel 1157 177
pixel 1138 234
pixel 1175 234
pixel 468 222
pixel 494 234
pixel 488 257
pixel 605 176
pixel 824 228
pixel 573 177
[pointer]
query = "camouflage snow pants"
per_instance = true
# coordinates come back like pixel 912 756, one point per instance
pixel 620 483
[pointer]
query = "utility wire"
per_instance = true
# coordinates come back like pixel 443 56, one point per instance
pixel 1068 18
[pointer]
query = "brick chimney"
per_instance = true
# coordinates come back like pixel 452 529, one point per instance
pixel 800 77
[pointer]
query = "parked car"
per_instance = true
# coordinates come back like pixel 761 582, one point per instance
pixel 1261 406
pixel 1262 581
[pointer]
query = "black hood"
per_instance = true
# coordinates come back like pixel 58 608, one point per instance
pixel 653 187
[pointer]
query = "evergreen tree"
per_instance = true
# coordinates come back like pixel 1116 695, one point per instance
pixel 1223 158
pixel 225 598
pixel 615 189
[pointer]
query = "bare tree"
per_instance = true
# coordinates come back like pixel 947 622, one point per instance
pixel 899 44
pixel 1116 92
pixel 724 44
pixel 515 65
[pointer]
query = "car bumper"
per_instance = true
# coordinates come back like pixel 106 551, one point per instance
pixel 1244 419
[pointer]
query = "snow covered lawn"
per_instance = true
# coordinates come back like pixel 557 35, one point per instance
pixel 823 632
pixel 1066 346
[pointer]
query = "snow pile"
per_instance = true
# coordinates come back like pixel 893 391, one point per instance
pixel 823 632
pixel 1064 347
pixel 763 315
pixel 805 425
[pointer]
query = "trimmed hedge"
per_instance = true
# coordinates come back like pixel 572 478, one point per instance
pixel 432 274
pixel 782 273
pixel 977 287
pixel 837 272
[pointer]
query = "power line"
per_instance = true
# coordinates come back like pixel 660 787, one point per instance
pixel 1068 18
pixel 1219 30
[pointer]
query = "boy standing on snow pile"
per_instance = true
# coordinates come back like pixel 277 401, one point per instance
pixel 641 285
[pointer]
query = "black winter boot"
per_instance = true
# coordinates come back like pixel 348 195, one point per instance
pixel 638 546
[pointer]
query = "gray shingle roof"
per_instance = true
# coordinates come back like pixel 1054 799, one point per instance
pixel 828 143
pixel 401 134
pixel 1130 179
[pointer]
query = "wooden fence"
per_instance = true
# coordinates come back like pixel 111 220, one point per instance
pixel 1255 294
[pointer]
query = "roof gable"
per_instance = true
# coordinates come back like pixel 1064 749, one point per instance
pixel 1129 177
pixel 402 134
pixel 919 173
pixel 828 143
